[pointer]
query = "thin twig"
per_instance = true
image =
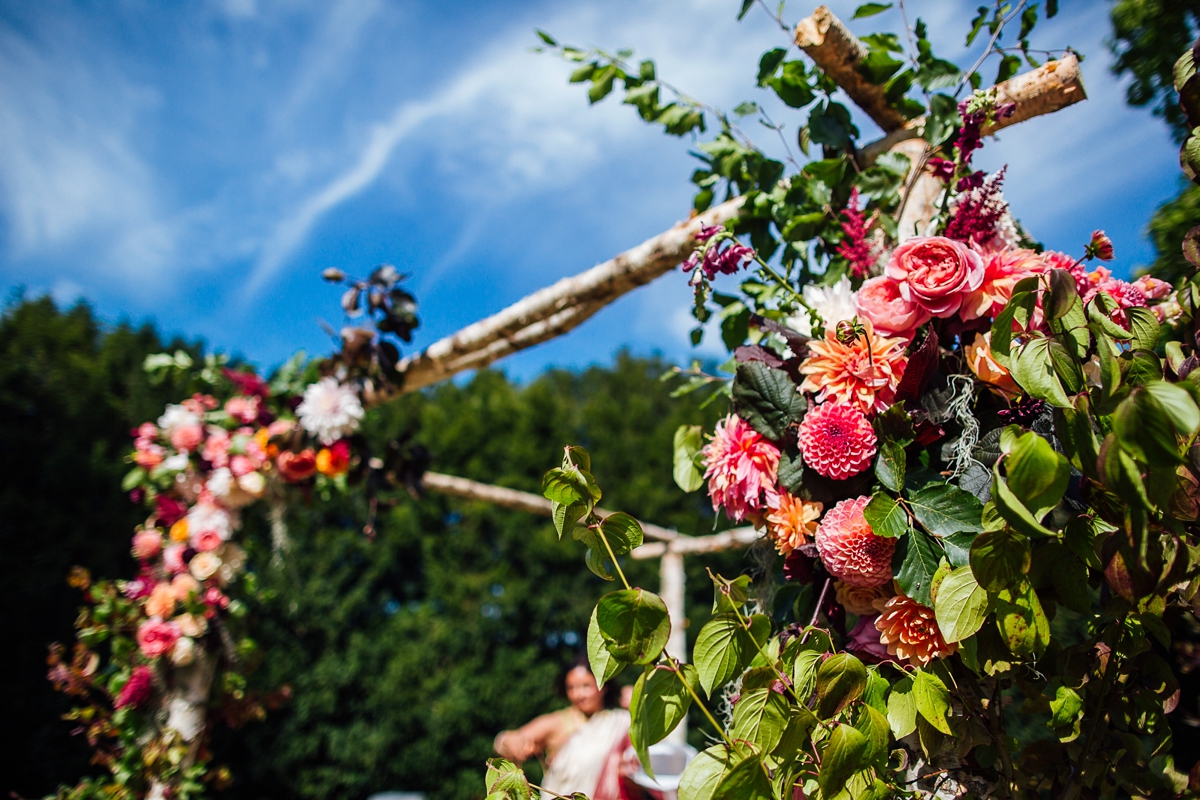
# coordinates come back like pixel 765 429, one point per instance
pixel 991 43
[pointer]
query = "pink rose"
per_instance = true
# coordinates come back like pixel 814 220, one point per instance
pixel 243 409
pixel 216 449
pixel 879 300
pixel 187 437
pixel 864 640
pixel 137 689
pixel 156 638
pixel 147 544
pixel 148 455
pixel 173 558
pixel 935 273
pixel 208 540
pixel 147 430
pixel 240 465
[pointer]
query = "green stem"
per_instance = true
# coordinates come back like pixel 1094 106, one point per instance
pixel 746 627
pixel 780 280
pixel 711 719
pixel 611 554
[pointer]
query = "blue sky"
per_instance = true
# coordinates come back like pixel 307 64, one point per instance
pixel 198 164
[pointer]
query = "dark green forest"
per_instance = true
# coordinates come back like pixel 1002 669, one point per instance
pixel 403 655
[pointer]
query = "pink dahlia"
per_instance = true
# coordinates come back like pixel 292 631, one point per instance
pixel 836 440
pixel 741 468
pixel 863 373
pixel 850 550
pixel 1002 269
pixel 137 689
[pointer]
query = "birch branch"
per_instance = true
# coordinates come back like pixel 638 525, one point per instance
pixel 838 52
pixel 692 545
pixel 555 310
pixel 520 501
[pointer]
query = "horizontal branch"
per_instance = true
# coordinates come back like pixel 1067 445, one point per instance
pixel 838 52
pixel 694 545
pixel 553 311
pixel 519 501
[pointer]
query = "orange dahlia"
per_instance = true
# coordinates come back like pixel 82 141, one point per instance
pixel 863 373
pixel 791 521
pixel 850 550
pixel 910 631
pixel 861 599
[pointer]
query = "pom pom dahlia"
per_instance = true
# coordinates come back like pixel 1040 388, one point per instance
pixel 836 440
pixel 911 632
pixel 329 410
pixel 864 373
pixel 792 521
pixel 741 468
pixel 850 550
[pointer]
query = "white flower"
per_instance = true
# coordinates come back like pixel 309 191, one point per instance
pixel 233 559
pixel 253 484
pixel 176 417
pixel 204 565
pixel 184 652
pixel 204 517
pixel 220 482
pixel 330 410
pixel 832 303
pixel 233 492
pixel 176 463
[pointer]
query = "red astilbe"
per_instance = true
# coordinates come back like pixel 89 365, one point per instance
pixel 854 247
pixel 978 212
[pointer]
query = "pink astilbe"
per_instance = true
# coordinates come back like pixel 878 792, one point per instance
pixel 712 259
pixel 742 468
pixel 854 247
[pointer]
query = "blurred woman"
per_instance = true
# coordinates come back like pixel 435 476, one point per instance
pixel 582 744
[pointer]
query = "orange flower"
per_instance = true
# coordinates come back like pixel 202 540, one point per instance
pixel 179 531
pixel 863 373
pixel 979 359
pixel 263 439
pixel 791 522
pixel 161 602
pixel 335 460
pixel 860 599
pixel 910 631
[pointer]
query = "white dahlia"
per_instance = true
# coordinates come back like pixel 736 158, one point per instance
pixel 330 410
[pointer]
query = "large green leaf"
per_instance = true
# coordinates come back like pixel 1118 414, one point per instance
pixel 1000 559
pixel 633 624
pixel 703 773
pixel 660 701
pixel 902 708
pixel 759 717
pixel 623 532
pixel 886 516
pixel 745 779
pixel 961 605
pixel 1037 474
pixel 874 726
pixel 945 510
pixel 1013 510
pixel 505 779
pixel 843 756
pixel 1033 369
pixel 767 399
pixel 841 680
pixel 932 699
pixel 918 556
pixel 1021 621
pixel 724 648
pixel 689 440
pixel 604 666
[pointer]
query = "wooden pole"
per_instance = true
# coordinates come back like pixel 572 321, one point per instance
pixel 672 590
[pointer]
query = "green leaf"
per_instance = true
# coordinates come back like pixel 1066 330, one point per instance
pixel 792 85
pixel 886 516
pixel 760 717
pixel 958 548
pixel 1021 621
pixel 730 595
pixel 870 10
pixel 841 680
pixel 890 465
pixel 1144 429
pixel 1070 577
pixel 506 779
pixel 703 773
pixel 874 726
pixel 902 708
pixel 932 699
pixel 944 510
pixel 132 478
pixel 769 63
pixel 746 779
pixel 791 472
pixel 767 399
pixel 1008 67
pixel 1000 559
pixel 842 757
pixel 918 564
pixel 961 605
pixel 624 533
pixel 603 665
pixel 689 441
pixel 1037 474
pixel 1012 509
pixel 1033 369
pixel 1066 710
pixel 724 648
pixel 1145 328
pixel 745 9
pixel 830 124
pixel 660 701
pixel 545 37
pixel 567 516
pixel 633 624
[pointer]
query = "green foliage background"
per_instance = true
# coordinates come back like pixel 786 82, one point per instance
pixel 406 655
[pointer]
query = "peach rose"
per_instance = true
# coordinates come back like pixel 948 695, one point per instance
pixel 935 273
pixel 880 301
pixel 161 602
pixel 204 565
pixel 147 544
pixel 191 625
pixel 185 586
pixel 156 638
pixel 187 437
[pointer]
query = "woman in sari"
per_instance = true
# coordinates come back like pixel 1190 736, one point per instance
pixel 582 744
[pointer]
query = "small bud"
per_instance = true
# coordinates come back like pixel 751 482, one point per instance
pixel 333 275
pixel 845 332
pixel 1100 247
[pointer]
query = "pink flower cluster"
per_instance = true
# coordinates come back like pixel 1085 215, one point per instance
pixel 741 469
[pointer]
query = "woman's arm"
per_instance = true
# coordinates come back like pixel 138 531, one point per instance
pixel 529 740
